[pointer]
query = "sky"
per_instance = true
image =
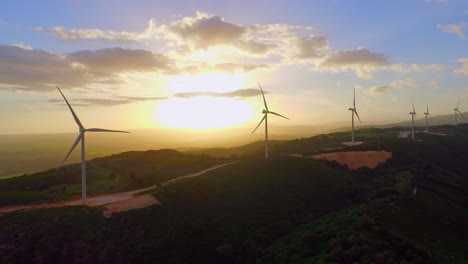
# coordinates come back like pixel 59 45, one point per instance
pixel 198 64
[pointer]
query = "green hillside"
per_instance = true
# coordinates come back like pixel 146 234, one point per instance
pixel 280 210
pixel 116 173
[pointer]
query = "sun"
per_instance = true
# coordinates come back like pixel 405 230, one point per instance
pixel 203 112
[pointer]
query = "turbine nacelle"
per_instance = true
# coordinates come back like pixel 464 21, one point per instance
pixel 265 113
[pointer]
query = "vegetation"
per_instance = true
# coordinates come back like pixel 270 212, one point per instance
pixel 116 173
pixel 411 209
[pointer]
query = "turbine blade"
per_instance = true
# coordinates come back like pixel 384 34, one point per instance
pixel 414 111
pixel 458 103
pixel 355 111
pixel 71 109
pixel 78 139
pixel 429 115
pixel 460 113
pixel 354 98
pixel 264 101
pixel 104 130
pixel 427 108
pixel 278 115
pixel 261 121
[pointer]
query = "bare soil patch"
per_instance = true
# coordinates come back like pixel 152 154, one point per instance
pixel 357 159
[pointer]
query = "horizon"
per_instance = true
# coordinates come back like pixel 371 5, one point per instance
pixel 196 66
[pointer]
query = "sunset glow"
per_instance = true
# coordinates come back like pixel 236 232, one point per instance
pixel 155 58
pixel 203 112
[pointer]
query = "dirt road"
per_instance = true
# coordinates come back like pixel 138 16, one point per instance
pixel 116 202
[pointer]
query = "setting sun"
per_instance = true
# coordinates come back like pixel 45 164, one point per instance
pixel 203 112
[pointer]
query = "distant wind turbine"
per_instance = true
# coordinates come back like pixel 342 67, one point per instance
pixel 81 137
pixel 265 113
pixel 427 115
pixel 457 111
pixel 353 112
pixel 412 119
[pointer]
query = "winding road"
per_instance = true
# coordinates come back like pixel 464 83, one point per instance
pixel 124 200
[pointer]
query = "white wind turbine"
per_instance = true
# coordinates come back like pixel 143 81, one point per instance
pixel 427 115
pixel 81 137
pixel 412 119
pixel 353 112
pixel 265 118
pixel 455 110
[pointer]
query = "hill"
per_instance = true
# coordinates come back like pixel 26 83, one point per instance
pixel 411 209
pixel 115 173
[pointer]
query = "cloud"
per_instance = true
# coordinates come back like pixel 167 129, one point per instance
pixel 106 102
pixel 456 29
pixel 241 93
pixel 39 70
pixel 97 34
pixel 205 31
pixel 407 68
pixel 311 47
pixel 395 85
pixel 463 70
pixel 24 69
pixel 120 60
pixel 230 68
pixel 362 61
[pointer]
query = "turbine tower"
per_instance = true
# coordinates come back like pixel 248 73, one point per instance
pixel 455 110
pixel 412 119
pixel 265 113
pixel 353 112
pixel 81 137
pixel 427 115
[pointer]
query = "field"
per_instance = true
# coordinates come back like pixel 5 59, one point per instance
pixel 410 209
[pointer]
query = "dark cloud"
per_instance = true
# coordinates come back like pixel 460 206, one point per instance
pixel 25 69
pixel 357 57
pixel 120 60
pixel 311 47
pixel 395 85
pixel 39 70
pixel 121 100
pixel 242 93
pixel 230 68
pixel 362 61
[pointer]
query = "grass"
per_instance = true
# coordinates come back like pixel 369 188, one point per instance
pixel 116 173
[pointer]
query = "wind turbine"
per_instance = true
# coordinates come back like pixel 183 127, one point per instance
pixel 456 110
pixel 265 113
pixel 427 114
pixel 412 119
pixel 81 137
pixel 353 112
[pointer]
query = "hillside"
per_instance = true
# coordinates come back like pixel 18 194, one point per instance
pixel 280 210
pixel 115 173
